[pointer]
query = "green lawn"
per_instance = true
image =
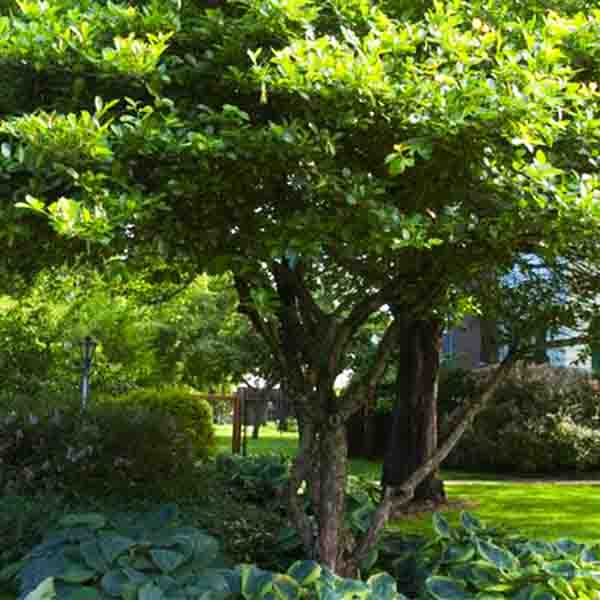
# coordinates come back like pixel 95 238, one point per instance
pixel 539 510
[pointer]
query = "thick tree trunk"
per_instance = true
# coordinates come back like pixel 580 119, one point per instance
pixel 413 436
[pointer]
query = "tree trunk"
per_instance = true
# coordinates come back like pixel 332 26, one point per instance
pixel 413 436
pixel 259 411
pixel 283 411
pixel 332 462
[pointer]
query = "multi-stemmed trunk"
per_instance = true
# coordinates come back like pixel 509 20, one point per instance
pixel 310 346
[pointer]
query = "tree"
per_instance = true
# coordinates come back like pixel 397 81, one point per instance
pixel 391 155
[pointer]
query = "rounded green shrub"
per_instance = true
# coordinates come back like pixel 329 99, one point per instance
pixel 192 414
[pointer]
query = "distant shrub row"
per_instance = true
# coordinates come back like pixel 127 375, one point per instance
pixel 542 420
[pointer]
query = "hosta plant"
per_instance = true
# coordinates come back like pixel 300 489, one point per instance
pixel 309 580
pixel 257 477
pixel 474 561
pixel 130 556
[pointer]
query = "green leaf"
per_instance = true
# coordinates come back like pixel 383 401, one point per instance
pixel 285 587
pixel 90 551
pixel 80 593
pixel 367 563
pixel 254 581
pixel 441 526
pixel 383 585
pixel 167 560
pixel 500 557
pixel 455 553
pixel 114 582
pixel 361 517
pixel 588 555
pixel 561 568
pixel 91 520
pixel 150 591
pixel 135 577
pixel 352 588
pixel 470 522
pixel 112 546
pixel 445 588
pixel 44 591
pixel 482 574
pixel 305 572
pixel 569 547
pixel 76 574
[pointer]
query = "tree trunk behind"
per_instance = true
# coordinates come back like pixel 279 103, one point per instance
pixel 413 436
pixel 259 412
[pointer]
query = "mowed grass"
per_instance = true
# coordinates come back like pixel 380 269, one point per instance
pixel 536 509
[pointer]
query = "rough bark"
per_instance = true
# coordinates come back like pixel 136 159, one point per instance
pixel 299 473
pixel 413 436
pixel 333 459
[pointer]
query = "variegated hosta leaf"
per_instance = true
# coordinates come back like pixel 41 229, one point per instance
pixel 44 591
pixel 503 559
pixel 441 526
pixel 470 522
pixel 305 572
pixel 445 588
pixel 254 581
pixel 383 586
pixel 455 553
pixel 167 560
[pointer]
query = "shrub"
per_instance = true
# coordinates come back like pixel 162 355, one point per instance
pixel 192 413
pixel 542 420
pixel 113 448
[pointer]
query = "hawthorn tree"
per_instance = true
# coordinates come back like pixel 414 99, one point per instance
pixel 390 155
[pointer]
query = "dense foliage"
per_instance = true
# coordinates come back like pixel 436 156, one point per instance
pixel 542 420
pixel 92 555
pixel 112 448
pixel 191 414
pixel 474 561
pixel 151 555
pixel 398 155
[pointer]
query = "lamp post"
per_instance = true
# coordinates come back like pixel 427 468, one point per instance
pixel 88 346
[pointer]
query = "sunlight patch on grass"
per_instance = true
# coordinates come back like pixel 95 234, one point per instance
pixel 538 510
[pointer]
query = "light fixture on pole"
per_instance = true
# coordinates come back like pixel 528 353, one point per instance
pixel 88 346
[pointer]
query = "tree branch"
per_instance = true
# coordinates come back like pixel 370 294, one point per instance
pixel 366 384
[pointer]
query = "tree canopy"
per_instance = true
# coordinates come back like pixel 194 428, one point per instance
pixel 392 154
